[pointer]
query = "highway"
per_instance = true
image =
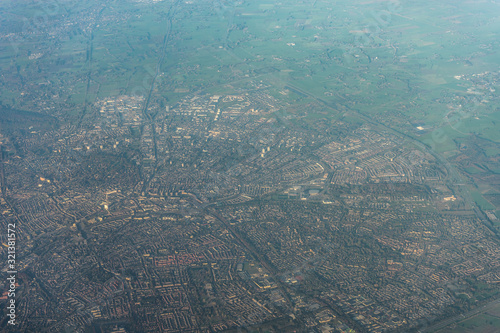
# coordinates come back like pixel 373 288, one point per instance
pixel 459 318
pixel 147 116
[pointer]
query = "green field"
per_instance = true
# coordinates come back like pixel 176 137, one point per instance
pixel 481 201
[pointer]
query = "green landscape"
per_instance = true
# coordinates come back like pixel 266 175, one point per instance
pixel 250 166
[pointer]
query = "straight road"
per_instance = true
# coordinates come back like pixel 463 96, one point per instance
pixel 459 318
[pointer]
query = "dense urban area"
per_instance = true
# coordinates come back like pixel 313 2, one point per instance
pixel 189 174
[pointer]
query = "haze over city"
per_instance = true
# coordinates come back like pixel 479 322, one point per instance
pixel 250 166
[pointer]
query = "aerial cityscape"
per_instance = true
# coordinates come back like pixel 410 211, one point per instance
pixel 250 166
